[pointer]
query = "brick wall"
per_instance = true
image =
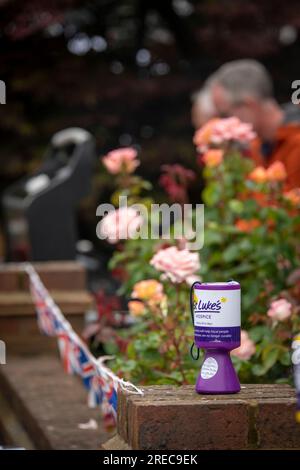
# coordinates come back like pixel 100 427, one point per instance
pixel 259 417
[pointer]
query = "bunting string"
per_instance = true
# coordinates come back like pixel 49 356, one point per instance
pixel 101 383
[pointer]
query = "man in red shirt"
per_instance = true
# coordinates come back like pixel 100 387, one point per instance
pixel 244 88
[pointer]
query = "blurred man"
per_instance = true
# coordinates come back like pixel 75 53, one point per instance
pixel 244 88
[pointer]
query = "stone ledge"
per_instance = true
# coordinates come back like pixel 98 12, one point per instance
pixel 57 275
pixel 18 326
pixel 23 337
pixel 20 303
pixel 166 417
pixel 48 404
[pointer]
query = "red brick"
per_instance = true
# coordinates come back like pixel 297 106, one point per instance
pixel 122 416
pixel 276 424
pixel 165 417
pixel 171 425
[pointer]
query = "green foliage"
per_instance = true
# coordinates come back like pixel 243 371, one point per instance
pixel 159 343
pixel 251 236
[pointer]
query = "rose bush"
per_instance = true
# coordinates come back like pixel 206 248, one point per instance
pixel 251 235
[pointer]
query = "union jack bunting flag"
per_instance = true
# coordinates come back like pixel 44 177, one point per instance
pixel 65 347
pixel 113 398
pixel 109 407
pixel 74 364
pixel 96 394
pixel 45 317
pixel 84 366
pixel 104 394
pixel 109 415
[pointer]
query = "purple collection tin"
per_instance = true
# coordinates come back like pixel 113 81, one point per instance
pixel 217 324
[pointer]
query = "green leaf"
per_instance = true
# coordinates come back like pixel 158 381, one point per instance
pixel 257 333
pixel 212 194
pixel 231 253
pixel 236 206
pixel 258 370
pixel 213 237
pixel 271 358
pixel 285 358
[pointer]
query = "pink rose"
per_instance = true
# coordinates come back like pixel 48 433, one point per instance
pixel 177 265
pixel 219 131
pixel 280 310
pixel 121 160
pixel 120 224
pixel 194 278
pixel 232 129
pixel 246 349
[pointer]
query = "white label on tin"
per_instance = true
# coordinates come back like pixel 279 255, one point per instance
pixel 209 368
pixel 217 308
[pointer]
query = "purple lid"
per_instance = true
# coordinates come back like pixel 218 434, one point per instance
pixel 230 285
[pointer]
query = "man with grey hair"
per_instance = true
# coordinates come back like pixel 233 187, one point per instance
pixel 244 88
